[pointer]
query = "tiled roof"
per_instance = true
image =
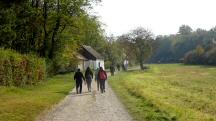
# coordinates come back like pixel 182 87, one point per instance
pixel 93 52
pixel 81 57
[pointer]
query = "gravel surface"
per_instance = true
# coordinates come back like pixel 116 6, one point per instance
pixel 89 106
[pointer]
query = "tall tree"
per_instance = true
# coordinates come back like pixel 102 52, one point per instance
pixel 142 39
pixel 185 29
pixel 127 48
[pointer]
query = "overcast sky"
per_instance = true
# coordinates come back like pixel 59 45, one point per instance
pixel 162 17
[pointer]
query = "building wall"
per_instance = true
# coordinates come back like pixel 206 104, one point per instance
pixel 87 64
pixel 99 63
pixel 83 65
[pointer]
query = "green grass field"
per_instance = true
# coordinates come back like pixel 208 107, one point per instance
pixel 169 92
pixel 25 104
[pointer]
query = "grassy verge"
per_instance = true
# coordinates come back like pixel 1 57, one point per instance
pixel 25 104
pixel 139 107
pixel 169 92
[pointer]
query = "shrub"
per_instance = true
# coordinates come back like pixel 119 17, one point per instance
pixel 108 64
pixel 208 58
pixel 190 58
pixel 211 56
pixel 20 70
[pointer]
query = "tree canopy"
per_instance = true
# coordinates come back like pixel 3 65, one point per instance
pixel 53 29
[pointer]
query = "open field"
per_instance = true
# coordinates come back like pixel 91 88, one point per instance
pixel 25 104
pixel 169 92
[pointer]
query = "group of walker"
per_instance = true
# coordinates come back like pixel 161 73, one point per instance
pixel 100 78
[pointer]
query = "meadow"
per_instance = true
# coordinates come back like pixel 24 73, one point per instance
pixel 26 103
pixel 168 92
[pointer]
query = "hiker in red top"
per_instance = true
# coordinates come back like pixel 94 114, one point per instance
pixel 102 76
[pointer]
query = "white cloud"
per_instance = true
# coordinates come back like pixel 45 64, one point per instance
pixel 160 16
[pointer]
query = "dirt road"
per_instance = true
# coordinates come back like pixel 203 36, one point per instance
pixel 89 106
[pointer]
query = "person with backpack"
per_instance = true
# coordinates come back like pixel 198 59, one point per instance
pixel 102 75
pixel 88 76
pixel 79 79
pixel 97 79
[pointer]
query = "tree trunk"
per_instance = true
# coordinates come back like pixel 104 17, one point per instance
pixel 141 64
pixel 44 48
pixel 54 40
pixel 55 32
pixel 33 2
pixel 37 3
pixel 141 60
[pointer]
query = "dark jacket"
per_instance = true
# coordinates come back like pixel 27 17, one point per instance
pixel 88 74
pixel 79 76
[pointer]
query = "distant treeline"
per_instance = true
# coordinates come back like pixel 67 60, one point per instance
pixel 188 46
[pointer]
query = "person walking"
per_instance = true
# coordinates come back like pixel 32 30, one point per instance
pixel 97 79
pixel 79 79
pixel 88 76
pixel 112 70
pixel 102 77
pixel 118 67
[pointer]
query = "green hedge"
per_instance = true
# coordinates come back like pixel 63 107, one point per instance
pixel 20 70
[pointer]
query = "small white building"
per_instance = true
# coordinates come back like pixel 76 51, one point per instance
pixel 88 57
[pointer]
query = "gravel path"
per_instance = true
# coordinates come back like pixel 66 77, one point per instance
pixel 92 106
